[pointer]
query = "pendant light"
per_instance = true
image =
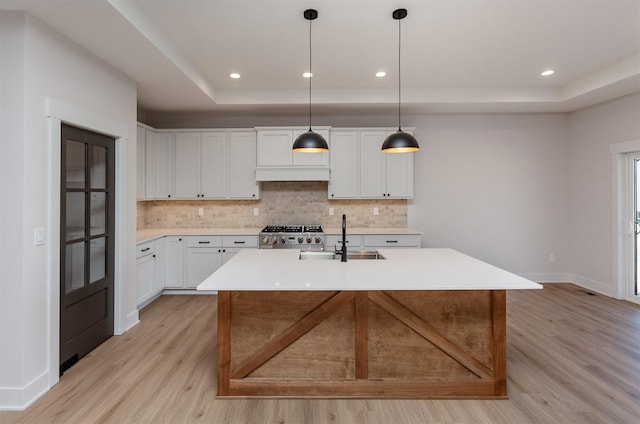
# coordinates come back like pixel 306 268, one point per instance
pixel 310 142
pixel 400 141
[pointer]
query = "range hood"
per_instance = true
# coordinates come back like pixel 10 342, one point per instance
pixel 292 173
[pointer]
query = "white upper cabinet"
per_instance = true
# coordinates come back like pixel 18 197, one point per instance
pixel 384 175
pixel 201 165
pixel 216 165
pixel 159 160
pixel 344 182
pixel 140 165
pixel 241 165
pixel 359 170
pixel 274 147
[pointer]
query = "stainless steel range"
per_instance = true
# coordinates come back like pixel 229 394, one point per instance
pixel 303 237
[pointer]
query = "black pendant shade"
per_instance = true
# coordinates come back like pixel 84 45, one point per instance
pixel 400 141
pixel 310 142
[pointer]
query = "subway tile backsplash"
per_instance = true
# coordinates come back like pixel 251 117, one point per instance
pixel 281 203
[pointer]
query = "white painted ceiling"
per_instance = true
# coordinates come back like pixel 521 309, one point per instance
pixel 457 55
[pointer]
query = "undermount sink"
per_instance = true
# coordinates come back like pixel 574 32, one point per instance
pixel 357 255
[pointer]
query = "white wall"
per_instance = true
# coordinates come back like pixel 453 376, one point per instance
pixel 495 187
pixel 52 67
pixel 591 131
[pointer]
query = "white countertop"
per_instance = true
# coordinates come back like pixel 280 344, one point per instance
pixel 154 233
pixel 403 269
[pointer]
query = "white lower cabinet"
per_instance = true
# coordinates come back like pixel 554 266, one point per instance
pixel 374 241
pixel 174 262
pixel 183 262
pixel 148 280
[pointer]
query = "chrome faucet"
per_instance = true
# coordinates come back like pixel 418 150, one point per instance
pixel 343 252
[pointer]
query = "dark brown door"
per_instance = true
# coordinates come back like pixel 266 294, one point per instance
pixel 86 242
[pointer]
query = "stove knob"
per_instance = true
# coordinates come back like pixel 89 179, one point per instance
pixel 274 240
pixel 266 239
pixel 308 239
pixel 283 240
pixel 300 239
pixel 318 240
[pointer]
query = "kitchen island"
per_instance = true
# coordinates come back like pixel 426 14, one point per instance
pixel 420 323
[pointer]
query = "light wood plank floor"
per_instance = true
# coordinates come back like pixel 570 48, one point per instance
pixel 573 357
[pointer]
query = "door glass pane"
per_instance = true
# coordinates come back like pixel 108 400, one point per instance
pixel 75 164
pixel 98 213
pixel 98 167
pixel 74 267
pixel 97 259
pixel 75 215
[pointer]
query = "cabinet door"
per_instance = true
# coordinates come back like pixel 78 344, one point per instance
pixel 159 165
pixel 310 159
pixel 174 262
pixel 145 275
pixel 241 169
pixel 399 170
pixel 274 148
pixel 140 163
pixel 214 165
pixel 187 160
pixel 201 262
pixel 158 280
pixel 344 165
pixel 372 165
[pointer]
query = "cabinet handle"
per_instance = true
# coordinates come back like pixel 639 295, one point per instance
pixel 224 250
pixel 144 250
pixel 168 195
pixel 254 195
pixel 204 242
pixel 179 239
pixel 154 256
pixel 238 242
pixel 331 194
pixel 392 241
pixel 219 250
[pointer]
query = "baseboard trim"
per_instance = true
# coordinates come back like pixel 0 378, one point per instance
pixel 593 285
pixel 547 277
pixel 130 321
pixel 191 292
pixel 19 398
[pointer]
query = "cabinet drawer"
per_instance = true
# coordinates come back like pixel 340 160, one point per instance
pixel 240 241
pixel 392 240
pixel 354 241
pixel 204 241
pixel 146 248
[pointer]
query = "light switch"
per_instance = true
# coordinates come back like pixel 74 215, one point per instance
pixel 38 236
pixel 256 211
pixel 331 211
pixel 375 211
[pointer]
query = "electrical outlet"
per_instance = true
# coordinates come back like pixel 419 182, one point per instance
pixel 38 237
pixel 376 211
pixel 200 211
pixel 331 211
pixel 552 257
pixel 256 211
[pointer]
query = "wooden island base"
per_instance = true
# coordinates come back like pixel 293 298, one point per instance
pixel 370 344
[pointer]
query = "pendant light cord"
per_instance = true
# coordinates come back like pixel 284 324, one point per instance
pixel 310 75
pixel 399 71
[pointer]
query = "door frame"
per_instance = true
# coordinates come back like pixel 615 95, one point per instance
pixel 622 249
pixel 58 113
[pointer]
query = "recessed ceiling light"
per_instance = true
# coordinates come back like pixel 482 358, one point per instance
pixel 547 72
pixel 381 74
pixel 234 75
pixel 307 75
